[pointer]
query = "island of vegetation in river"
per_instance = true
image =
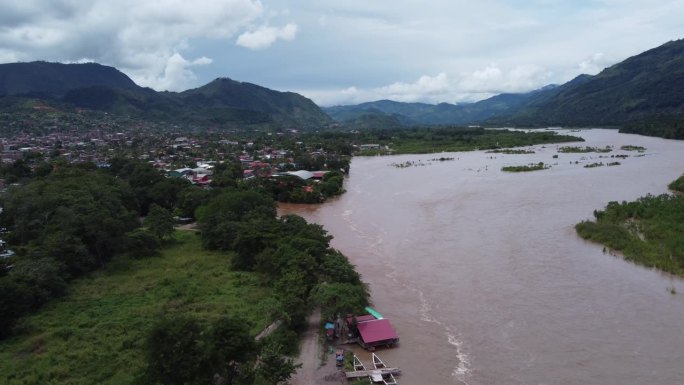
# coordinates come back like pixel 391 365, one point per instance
pixel 648 231
pixel 633 148
pixel 601 164
pixel 510 151
pixel 526 167
pixel 582 150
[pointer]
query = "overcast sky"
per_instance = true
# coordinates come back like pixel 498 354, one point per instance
pixel 343 52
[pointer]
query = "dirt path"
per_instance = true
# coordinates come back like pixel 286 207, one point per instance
pixel 188 227
pixel 314 370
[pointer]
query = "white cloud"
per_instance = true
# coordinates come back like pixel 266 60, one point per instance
pixel 177 74
pixel 368 49
pixel 466 87
pixel 142 38
pixel 593 64
pixel 425 89
pixel 7 56
pixel 265 36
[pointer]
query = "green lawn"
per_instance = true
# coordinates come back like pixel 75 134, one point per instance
pixel 95 334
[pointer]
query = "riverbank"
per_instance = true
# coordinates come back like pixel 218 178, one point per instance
pixel 318 363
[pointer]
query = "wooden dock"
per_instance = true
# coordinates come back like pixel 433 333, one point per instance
pixel 371 372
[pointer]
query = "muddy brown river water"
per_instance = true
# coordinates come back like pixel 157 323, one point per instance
pixel 485 279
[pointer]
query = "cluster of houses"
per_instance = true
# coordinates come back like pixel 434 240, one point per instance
pixel 202 174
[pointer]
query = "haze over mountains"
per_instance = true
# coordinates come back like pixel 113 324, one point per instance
pixel 638 93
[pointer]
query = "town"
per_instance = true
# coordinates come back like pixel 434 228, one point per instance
pixel 288 163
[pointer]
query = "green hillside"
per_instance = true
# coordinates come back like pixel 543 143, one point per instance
pixel 643 88
pixel 223 103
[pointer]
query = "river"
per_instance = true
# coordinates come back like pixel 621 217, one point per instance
pixel 484 278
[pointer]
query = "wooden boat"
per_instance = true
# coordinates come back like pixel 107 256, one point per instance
pixel 358 365
pixel 381 376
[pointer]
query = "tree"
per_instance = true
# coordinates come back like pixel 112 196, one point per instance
pixel 232 349
pixel 251 238
pixel 160 222
pixel 218 218
pixel 176 353
pixel 167 192
pixel 274 367
pixel 339 298
pixel 141 243
pixel 226 174
pixel 74 215
pixel 190 199
pixel 335 267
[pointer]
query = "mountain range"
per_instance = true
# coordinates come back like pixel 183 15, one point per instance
pixel 644 94
pixel 222 102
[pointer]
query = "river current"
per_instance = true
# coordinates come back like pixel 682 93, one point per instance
pixel 484 278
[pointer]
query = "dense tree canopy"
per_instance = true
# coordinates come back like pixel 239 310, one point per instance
pixel 649 231
pixel 292 255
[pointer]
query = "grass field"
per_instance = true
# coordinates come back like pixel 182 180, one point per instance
pixel 96 333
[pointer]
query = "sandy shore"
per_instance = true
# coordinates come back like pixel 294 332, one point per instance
pixel 318 363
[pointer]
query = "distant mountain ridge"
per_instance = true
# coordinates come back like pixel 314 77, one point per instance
pixel 643 94
pixel 438 114
pixel 222 102
pixel 646 86
pixel 639 94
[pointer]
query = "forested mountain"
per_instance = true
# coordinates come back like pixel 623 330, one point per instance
pixel 643 94
pixel 223 102
pixel 286 107
pixel 643 87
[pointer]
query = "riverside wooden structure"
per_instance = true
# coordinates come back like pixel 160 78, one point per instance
pixel 380 374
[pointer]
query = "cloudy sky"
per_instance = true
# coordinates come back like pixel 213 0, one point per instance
pixel 343 52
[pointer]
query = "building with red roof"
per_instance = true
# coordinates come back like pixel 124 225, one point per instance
pixel 373 332
pixel 376 333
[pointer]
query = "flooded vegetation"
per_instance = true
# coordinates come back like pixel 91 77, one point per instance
pixel 580 150
pixel 525 168
pixel 420 163
pixel 510 151
pixel 425 140
pixel 647 231
pixel 677 185
pixel 633 148
pixel 600 164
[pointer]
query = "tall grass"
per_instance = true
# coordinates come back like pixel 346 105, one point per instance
pixel 95 335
